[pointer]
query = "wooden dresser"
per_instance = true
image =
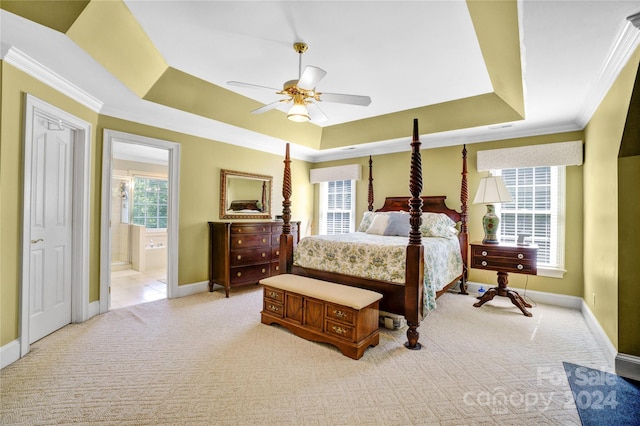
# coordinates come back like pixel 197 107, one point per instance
pixel 242 253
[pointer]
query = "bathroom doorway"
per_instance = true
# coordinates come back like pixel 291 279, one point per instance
pixel 138 217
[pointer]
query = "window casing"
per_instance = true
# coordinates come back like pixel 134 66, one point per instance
pixel 337 207
pixel 150 202
pixel 537 210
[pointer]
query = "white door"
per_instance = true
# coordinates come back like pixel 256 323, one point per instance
pixel 50 227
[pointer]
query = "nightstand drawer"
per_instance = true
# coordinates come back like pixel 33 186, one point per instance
pixel 505 258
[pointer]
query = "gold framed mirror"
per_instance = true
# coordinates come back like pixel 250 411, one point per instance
pixel 245 195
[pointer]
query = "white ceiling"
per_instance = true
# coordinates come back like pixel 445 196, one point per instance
pixel 403 54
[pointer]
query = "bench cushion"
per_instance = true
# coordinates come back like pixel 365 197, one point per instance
pixel 353 297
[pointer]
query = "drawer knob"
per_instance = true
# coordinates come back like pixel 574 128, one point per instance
pixel 339 314
pixel 339 330
pixel 484 253
pixel 273 308
pixel 239 257
pixel 484 263
pixel 264 270
pixel 520 256
pixel 239 274
pixel 264 229
pixel 239 241
pixel 520 266
pixel 277 267
pixel 273 294
pixel 264 240
pixel 277 252
pixel 278 240
pixel 264 254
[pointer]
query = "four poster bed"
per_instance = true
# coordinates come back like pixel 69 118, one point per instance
pixel 408 288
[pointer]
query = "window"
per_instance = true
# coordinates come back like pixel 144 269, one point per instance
pixel 150 202
pixel 537 211
pixel 337 207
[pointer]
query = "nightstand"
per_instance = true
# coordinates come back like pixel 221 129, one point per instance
pixel 504 258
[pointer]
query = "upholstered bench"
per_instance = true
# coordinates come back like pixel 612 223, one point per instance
pixel 320 311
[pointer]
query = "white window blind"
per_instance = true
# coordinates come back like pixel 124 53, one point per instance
pixel 537 210
pixel 337 207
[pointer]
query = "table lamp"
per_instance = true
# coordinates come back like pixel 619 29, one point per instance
pixel 492 190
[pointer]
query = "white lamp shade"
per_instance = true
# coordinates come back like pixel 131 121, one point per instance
pixel 492 190
pixel 298 112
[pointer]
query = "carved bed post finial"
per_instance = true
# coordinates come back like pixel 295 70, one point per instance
pixel 286 194
pixel 415 188
pixel 370 199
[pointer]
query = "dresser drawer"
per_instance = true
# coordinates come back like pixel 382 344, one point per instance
pixel 274 294
pixel 250 228
pixel 340 330
pixel 256 240
pixel 275 268
pixel 340 313
pixel 275 239
pixel 250 257
pixel 252 273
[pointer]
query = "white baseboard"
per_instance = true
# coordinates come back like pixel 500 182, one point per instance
pixel 628 366
pixel 94 309
pixel 189 289
pixel 599 333
pixel 9 353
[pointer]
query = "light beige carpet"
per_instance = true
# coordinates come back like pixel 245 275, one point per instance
pixel 204 359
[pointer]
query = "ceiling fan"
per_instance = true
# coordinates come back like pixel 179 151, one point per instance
pixel 303 95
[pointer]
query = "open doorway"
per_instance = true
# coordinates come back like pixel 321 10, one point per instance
pixel 139 214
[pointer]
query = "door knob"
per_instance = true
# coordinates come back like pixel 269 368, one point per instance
pixel 37 241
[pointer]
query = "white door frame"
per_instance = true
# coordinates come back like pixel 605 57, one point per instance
pixel 80 212
pixel 111 136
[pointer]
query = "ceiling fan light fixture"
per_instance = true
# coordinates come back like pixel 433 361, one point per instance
pixel 298 112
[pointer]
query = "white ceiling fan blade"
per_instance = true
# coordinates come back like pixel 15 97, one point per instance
pixel 316 114
pixel 310 77
pixel 345 99
pixel 252 86
pixel 268 107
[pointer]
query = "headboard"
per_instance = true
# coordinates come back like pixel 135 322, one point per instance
pixel 433 204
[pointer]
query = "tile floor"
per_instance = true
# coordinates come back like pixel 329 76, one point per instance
pixel 131 287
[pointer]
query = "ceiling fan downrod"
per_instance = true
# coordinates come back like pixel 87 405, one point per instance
pixel 300 47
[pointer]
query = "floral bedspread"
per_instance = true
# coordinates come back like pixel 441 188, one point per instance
pixel 382 258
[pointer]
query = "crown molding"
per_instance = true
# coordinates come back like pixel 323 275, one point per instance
pixel 623 47
pixel 25 63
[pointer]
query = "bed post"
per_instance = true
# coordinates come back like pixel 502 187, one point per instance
pixel 370 198
pixel 415 251
pixel 286 239
pixel 464 227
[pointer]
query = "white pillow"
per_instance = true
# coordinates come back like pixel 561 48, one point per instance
pixel 378 225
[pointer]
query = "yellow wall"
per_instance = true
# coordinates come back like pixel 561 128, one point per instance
pixel 603 135
pixel 14 86
pixel 441 168
pixel 201 161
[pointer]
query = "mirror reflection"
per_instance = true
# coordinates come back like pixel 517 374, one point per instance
pixel 245 195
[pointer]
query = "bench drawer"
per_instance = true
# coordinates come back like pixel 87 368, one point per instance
pixel 339 330
pixel 340 313
pixel 274 308
pixel 274 294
